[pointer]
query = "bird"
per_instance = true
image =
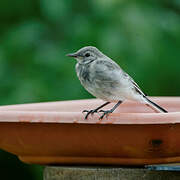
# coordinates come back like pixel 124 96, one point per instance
pixel 105 79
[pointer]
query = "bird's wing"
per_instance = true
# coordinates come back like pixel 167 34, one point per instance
pixel 135 85
pixel 106 71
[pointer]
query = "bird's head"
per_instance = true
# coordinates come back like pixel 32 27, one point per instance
pixel 87 54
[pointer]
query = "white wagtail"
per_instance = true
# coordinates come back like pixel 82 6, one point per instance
pixel 104 79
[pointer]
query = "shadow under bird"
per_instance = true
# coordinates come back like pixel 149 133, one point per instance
pixel 105 79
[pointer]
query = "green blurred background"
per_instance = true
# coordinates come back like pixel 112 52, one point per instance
pixel 35 35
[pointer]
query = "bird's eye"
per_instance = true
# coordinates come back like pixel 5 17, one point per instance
pixel 87 54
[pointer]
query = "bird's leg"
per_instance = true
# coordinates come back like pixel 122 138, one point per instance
pixel 107 112
pixel 94 110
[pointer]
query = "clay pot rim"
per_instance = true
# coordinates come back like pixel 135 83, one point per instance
pixel 78 117
pixel 42 113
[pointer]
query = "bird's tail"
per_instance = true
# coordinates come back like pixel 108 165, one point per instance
pixel 154 106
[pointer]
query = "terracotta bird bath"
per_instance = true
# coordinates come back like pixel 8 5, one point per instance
pixel 56 133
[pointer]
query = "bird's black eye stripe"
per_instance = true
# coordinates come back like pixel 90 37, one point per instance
pixel 87 54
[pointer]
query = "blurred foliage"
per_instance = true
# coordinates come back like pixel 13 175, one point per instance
pixel 142 36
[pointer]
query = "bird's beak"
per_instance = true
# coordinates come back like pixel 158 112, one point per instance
pixel 72 55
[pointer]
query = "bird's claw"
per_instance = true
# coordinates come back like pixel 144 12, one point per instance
pixel 105 113
pixel 89 112
pixel 85 111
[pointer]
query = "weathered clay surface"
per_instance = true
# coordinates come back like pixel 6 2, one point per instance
pixel 56 133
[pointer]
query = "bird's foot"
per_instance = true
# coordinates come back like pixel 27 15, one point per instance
pixel 105 113
pixel 90 112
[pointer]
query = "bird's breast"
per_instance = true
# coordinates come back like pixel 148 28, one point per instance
pixel 83 73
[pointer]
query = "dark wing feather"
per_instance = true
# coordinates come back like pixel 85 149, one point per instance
pixel 136 87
